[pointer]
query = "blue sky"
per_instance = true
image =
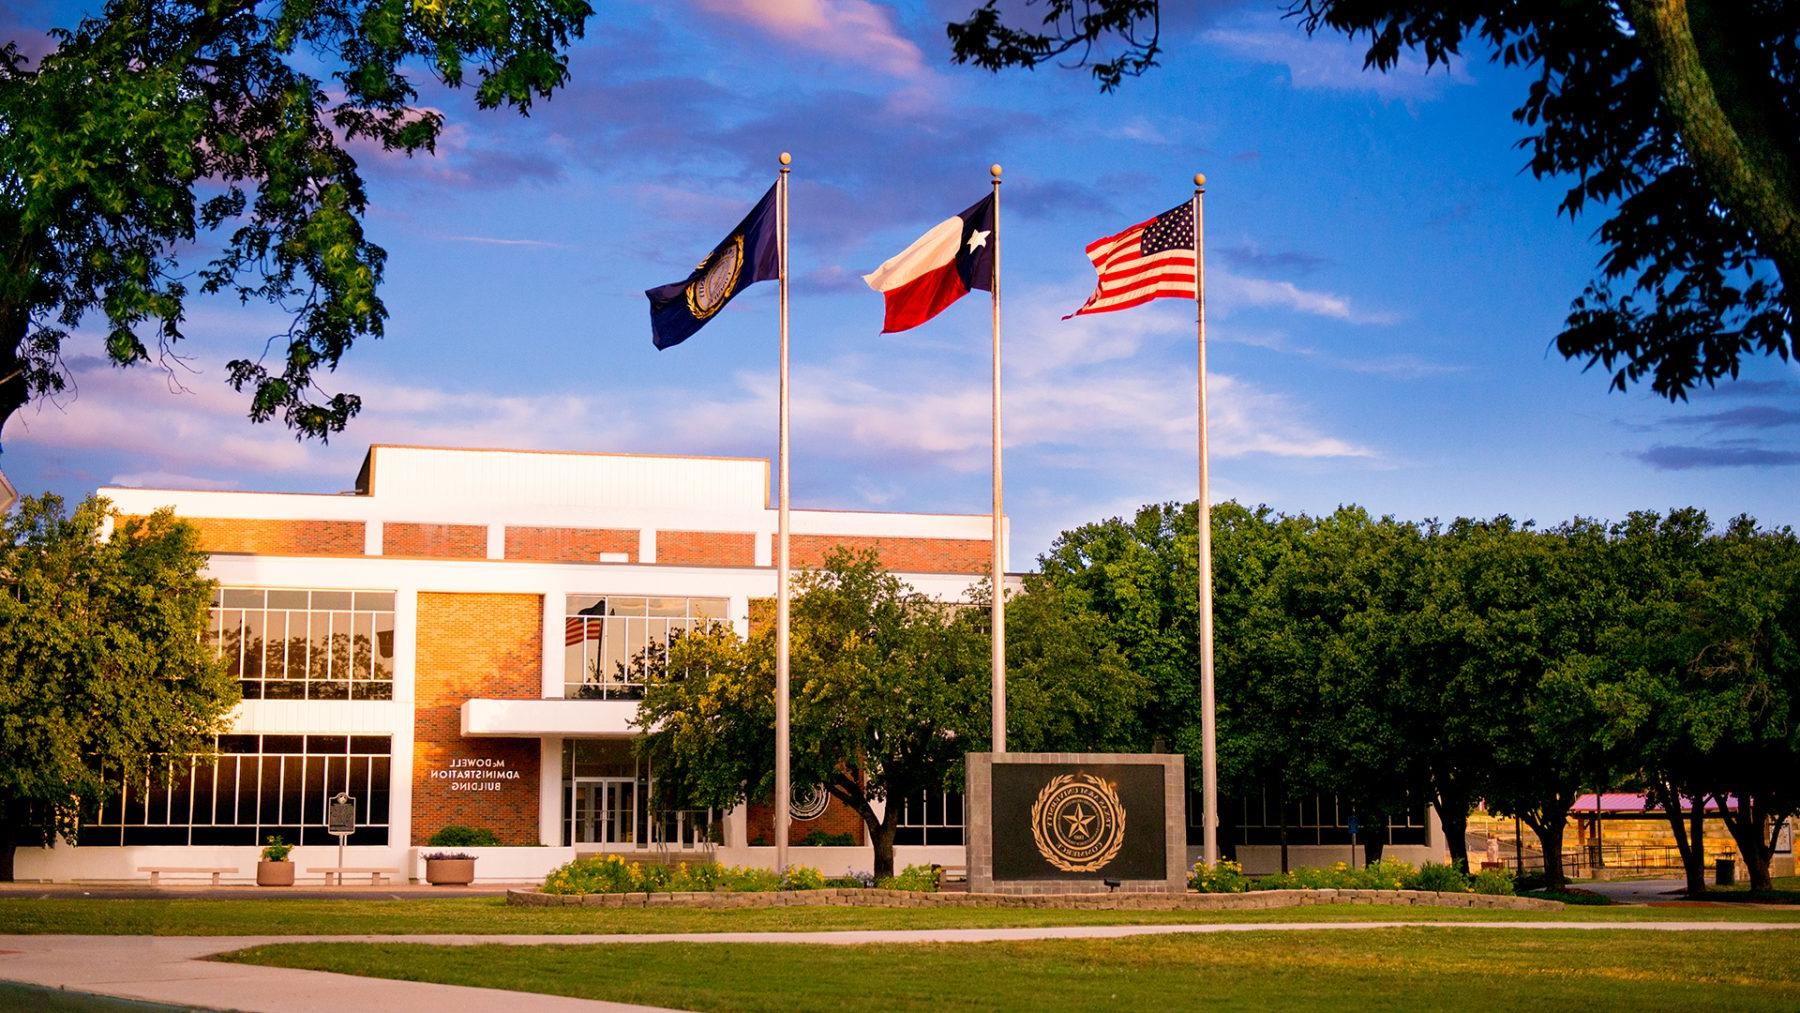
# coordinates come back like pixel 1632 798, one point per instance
pixel 1383 287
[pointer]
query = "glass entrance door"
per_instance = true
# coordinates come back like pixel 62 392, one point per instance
pixel 604 810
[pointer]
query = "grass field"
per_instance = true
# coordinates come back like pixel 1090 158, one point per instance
pixel 492 916
pixel 1377 969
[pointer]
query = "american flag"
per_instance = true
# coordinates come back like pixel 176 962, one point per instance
pixel 1151 260
pixel 577 630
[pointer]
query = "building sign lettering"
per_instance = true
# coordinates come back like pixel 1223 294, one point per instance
pixel 476 773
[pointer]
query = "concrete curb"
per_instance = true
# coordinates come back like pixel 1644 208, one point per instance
pixel 1257 900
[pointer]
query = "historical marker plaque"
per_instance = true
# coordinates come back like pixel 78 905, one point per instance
pixel 1070 822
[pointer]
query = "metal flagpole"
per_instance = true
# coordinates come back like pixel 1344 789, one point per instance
pixel 999 588
pixel 1209 741
pixel 782 787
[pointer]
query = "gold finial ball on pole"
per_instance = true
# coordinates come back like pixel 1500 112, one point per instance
pixel 1200 180
pixel 994 170
pixel 786 159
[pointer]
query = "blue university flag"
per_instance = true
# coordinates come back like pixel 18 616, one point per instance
pixel 749 255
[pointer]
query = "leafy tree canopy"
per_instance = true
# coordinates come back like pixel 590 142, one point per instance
pixel 1679 118
pixel 103 663
pixel 890 689
pixel 157 122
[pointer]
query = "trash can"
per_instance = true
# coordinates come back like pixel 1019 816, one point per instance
pixel 1725 872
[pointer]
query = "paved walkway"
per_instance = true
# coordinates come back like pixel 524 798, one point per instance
pixel 172 969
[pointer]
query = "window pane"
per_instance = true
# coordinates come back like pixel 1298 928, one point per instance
pixel 287 600
pixel 675 607
pixel 365 645
pixel 269 789
pixel 253 645
pixel 624 606
pixel 238 597
pixel 322 600
pixel 371 744
pixel 375 601
pixel 584 605
pixel 384 646
pixel 275 627
pixel 709 608
pixel 334 744
pixel 225 793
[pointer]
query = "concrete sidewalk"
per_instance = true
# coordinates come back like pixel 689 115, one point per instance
pixel 172 969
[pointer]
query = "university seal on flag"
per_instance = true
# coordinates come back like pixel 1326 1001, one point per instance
pixel 715 278
pixel 1078 823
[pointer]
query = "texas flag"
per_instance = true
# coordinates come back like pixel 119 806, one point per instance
pixel 942 266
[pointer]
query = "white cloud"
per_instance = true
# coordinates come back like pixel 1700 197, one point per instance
pixel 1226 290
pixel 853 31
pixel 1329 61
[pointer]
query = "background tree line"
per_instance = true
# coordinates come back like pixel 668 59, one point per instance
pixel 1477 661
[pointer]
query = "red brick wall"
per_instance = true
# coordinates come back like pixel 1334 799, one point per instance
pixel 570 545
pixel 904 555
pixel 436 541
pixel 838 818
pixel 706 548
pixel 259 537
pixel 475 645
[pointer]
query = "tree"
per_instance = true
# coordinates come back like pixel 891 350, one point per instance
pixel 160 121
pixel 1678 117
pixel 1748 626
pixel 103 663
pixel 890 690
pixel 1662 566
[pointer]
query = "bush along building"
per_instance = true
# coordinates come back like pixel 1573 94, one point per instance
pixel 450 644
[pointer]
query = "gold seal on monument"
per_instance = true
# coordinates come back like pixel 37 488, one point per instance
pixel 718 275
pixel 1078 822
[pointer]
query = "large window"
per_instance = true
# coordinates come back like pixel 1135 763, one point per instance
pixel 258 786
pixel 935 817
pixel 307 645
pixel 608 640
pixel 1313 819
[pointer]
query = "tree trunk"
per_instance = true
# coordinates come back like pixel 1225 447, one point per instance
pixel 1372 847
pixel 14 390
pixel 1689 831
pixel 1550 836
pixel 882 835
pixel 1749 826
pixel 1453 817
pixel 1729 117
pixel 7 848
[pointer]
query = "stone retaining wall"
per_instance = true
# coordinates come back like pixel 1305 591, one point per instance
pixel 1253 901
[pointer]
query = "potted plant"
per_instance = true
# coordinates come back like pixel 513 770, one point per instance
pixel 449 868
pixel 275 869
pixel 456 868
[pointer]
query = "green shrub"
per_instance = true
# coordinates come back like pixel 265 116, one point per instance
pixel 738 879
pixel 852 881
pixel 1225 877
pixel 821 839
pixel 802 877
pixel 921 878
pixel 592 874
pixel 1498 882
pixel 1439 878
pixel 276 850
pixel 1383 874
pixel 455 836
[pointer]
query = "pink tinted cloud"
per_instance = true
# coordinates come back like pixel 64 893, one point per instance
pixel 854 31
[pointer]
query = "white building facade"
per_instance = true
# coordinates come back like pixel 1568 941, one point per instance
pixel 450 644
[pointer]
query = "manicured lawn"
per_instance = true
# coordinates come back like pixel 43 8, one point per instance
pixel 1786 891
pixel 492 916
pixel 1376 969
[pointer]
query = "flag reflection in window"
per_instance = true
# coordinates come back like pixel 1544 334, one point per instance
pixel 609 641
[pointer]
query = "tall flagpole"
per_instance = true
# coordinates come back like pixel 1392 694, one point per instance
pixel 1209 741
pixel 999 585
pixel 782 787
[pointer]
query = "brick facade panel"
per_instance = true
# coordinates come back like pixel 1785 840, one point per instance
pixel 434 541
pixel 475 645
pixel 262 537
pixel 569 545
pixel 838 818
pixel 902 555
pixel 706 548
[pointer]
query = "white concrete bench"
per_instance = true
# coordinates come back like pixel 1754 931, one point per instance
pixel 374 873
pixel 216 871
pixel 954 873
